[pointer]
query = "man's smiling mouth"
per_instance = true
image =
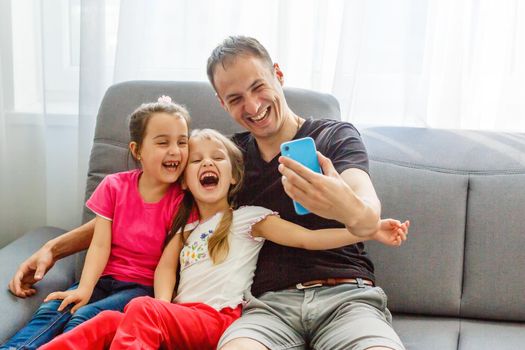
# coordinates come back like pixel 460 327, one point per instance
pixel 261 116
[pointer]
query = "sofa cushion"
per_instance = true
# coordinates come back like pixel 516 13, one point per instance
pixel 473 198
pixel 494 280
pixel 482 335
pixel 15 312
pixel 428 333
pixel 425 274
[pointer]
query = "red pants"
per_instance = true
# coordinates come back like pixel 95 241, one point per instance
pixel 148 323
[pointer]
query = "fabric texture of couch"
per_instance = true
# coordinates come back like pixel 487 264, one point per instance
pixel 457 283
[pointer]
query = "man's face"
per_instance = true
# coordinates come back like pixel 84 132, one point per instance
pixel 252 94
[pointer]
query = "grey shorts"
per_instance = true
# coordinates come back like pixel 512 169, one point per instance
pixel 323 318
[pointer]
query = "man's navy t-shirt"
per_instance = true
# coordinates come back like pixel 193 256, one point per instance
pixel 278 266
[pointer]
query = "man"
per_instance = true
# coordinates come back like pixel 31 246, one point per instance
pixel 316 299
pixel 323 299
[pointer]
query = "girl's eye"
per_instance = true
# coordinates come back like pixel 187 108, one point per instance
pixel 218 158
pixel 258 87
pixel 183 142
pixel 162 143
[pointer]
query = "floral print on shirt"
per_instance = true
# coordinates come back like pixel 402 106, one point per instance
pixel 195 250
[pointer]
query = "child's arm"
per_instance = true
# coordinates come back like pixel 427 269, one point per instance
pixel 96 259
pixel 277 230
pixel 166 271
pixel 391 232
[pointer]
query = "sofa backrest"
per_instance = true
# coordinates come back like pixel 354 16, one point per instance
pixel 109 153
pixel 110 146
pixel 464 192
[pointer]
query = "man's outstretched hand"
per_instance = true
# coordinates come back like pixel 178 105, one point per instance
pixel 31 271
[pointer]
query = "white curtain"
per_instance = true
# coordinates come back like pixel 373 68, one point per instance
pixel 432 63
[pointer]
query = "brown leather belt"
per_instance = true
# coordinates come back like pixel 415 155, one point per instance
pixel 333 282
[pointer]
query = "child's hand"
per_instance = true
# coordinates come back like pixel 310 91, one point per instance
pixel 79 297
pixel 392 232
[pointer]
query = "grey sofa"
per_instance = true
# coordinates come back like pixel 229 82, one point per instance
pixel 458 282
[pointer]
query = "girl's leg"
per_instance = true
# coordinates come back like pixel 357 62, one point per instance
pixel 96 333
pixel 118 294
pixel 45 324
pixel 152 324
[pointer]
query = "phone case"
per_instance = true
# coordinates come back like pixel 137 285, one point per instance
pixel 303 151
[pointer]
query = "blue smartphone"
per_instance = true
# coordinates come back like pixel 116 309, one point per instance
pixel 303 151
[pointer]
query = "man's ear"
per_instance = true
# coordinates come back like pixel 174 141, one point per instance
pixel 134 148
pixel 278 73
pixel 221 101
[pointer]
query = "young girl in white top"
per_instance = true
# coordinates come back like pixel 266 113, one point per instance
pixel 216 259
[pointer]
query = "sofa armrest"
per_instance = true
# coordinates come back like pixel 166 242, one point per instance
pixel 15 312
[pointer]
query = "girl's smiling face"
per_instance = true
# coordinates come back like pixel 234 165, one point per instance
pixel 163 152
pixel 208 174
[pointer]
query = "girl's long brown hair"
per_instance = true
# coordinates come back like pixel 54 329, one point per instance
pixel 218 244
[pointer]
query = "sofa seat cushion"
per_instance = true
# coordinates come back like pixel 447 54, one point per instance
pixel 429 333
pixel 485 335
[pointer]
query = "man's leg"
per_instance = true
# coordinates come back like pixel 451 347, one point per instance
pixel 94 334
pixel 272 321
pixel 351 317
pixel 243 344
pixel 153 324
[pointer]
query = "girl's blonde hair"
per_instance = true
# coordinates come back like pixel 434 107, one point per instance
pixel 218 245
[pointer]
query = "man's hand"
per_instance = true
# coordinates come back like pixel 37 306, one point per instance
pixel 31 271
pixel 392 232
pixel 349 198
pixel 79 297
pixel 36 266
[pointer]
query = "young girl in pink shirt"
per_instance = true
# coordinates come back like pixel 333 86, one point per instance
pixel 216 259
pixel 134 211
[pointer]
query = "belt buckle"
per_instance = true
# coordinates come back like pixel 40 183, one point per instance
pixel 301 286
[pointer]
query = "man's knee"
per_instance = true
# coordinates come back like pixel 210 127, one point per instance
pixel 243 344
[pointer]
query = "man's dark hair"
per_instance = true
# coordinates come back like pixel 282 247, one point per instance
pixel 232 47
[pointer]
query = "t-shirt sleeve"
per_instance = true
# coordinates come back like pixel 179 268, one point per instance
pixel 344 146
pixel 102 201
pixel 248 216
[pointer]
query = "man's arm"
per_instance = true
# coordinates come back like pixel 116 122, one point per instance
pixel 36 266
pixel 349 198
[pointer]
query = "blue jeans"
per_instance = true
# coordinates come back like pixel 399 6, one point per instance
pixel 47 322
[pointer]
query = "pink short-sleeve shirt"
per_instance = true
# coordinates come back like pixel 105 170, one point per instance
pixel 138 228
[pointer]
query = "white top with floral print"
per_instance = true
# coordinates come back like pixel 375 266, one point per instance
pixel 222 285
